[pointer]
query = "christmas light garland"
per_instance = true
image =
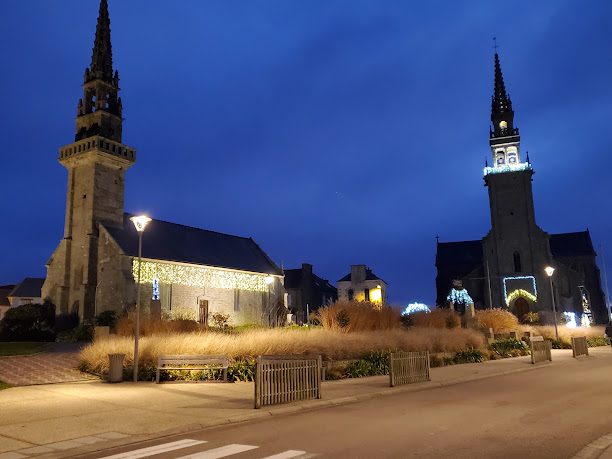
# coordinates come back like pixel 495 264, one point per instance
pixel 198 276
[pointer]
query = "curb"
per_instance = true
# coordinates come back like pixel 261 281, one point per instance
pixel 595 448
pixel 288 409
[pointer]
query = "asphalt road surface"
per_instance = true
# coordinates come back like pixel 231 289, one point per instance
pixel 550 412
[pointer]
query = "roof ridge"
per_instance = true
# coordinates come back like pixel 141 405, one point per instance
pixel 192 227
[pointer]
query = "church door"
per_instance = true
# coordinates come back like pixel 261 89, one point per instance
pixel 521 308
pixel 203 319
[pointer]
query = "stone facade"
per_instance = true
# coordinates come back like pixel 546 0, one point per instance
pixel 362 285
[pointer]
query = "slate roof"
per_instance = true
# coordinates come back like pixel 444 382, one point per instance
pixel 173 242
pixel 459 253
pixel 369 276
pixel 30 287
pixel 577 244
pixel 293 279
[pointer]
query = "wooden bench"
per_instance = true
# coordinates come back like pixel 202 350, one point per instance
pixel 192 362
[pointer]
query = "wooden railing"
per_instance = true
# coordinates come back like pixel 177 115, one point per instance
pixel 408 367
pixel 287 378
pixel 540 349
pixel 579 346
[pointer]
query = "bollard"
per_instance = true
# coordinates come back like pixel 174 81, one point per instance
pixel 115 367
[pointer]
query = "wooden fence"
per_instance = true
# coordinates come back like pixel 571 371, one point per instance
pixel 408 367
pixel 540 349
pixel 579 346
pixel 287 378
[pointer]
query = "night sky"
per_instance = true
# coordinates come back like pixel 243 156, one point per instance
pixel 332 132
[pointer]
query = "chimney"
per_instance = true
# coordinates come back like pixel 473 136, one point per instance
pixel 358 274
pixel 306 269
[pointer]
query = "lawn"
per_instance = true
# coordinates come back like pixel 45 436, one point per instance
pixel 20 348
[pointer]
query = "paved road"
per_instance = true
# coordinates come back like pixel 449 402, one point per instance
pixel 549 413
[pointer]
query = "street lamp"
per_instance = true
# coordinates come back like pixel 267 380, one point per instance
pixel 140 222
pixel 549 272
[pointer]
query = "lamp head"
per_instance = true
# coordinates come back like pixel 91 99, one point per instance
pixel 140 222
pixel 549 271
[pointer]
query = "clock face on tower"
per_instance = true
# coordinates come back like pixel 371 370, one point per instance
pixel 503 125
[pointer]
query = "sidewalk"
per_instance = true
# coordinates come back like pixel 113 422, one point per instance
pixel 52 419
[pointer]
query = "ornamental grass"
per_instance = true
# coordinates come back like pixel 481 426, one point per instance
pixel 438 318
pixel 499 320
pixel 357 316
pixel 281 341
pixel 565 333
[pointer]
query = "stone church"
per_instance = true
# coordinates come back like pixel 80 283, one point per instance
pixel 188 272
pixel 506 267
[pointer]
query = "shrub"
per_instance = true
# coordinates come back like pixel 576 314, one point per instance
pixel 249 344
pixel 66 321
pixel 470 356
pixel 220 320
pixel 509 347
pixel 532 318
pixel 106 319
pixel 565 334
pixel 372 364
pixel 150 325
pixel 499 320
pixel 356 316
pixel 595 341
pixel 438 318
pixel 80 333
pixel 30 322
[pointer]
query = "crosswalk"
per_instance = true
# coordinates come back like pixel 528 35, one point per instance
pixel 213 453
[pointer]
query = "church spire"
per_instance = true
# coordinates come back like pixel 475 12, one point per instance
pixel 102 53
pixel 502 115
pixel 99 112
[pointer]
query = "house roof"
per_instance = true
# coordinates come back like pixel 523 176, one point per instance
pixel 30 287
pixel 369 276
pixel 173 242
pixel 572 244
pixel 293 279
pixel 462 253
pixel 4 293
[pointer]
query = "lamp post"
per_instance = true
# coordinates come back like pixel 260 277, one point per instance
pixel 140 222
pixel 549 272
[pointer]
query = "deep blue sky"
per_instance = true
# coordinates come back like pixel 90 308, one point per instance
pixel 332 132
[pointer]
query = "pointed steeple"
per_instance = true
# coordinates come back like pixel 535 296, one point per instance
pixel 502 115
pixel 501 103
pixel 102 53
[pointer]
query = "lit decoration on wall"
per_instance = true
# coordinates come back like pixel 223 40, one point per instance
pixel 415 307
pixel 534 289
pixel 570 319
pixel 198 276
pixel 585 321
pixel 520 293
pixel 459 297
pixel 155 289
pixel 501 169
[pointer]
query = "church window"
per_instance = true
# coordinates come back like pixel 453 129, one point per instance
pixel 517 262
pixel 500 160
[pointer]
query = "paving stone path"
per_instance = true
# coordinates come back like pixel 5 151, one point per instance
pixel 56 364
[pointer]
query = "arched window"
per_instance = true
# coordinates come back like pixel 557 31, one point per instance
pixel 517 262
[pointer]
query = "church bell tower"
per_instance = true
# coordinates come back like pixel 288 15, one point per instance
pixel 96 163
pixel 516 250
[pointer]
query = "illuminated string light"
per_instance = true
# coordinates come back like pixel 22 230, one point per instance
pixel 520 293
pixel 507 168
pixel 585 321
pixel 570 319
pixel 459 297
pixel 155 289
pixel 512 278
pixel 415 307
pixel 198 276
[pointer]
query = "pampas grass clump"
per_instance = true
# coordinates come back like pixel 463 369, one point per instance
pixel 330 344
pixel 353 316
pixel 498 319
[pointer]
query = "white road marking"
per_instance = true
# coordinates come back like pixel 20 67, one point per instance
pixel 223 451
pixel 158 449
pixel 286 454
